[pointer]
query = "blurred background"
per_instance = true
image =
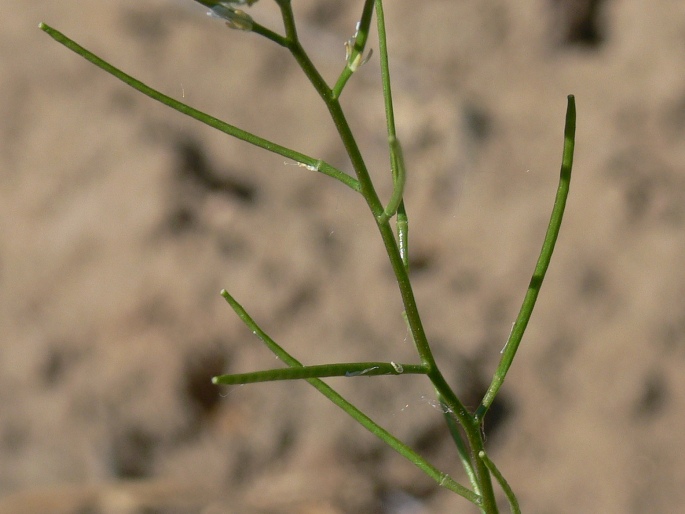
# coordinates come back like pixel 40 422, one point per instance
pixel 121 220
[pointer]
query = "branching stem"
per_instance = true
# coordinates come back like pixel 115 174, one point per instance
pixel 464 426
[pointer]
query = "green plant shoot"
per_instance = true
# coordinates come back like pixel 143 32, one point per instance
pixel 464 426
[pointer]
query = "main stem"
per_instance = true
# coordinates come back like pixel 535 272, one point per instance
pixel 470 425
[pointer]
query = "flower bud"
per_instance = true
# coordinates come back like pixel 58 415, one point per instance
pixel 235 18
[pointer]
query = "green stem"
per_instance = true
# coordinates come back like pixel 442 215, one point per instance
pixel 542 264
pixel 357 49
pixel 205 118
pixel 509 493
pixel 471 427
pixel 366 185
pixel 385 70
pixel 399 177
pixel 455 431
pixel 349 369
pixel 399 259
pixel 441 478
pixel 269 34
pixel 298 52
pixel 402 219
pixel 474 436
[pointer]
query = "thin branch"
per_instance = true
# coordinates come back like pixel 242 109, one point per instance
pixel 441 478
pixel 205 118
pixel 542 264
pixel 509 493
pixel 349 369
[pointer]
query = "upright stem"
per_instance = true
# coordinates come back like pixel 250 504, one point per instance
pixel 471 427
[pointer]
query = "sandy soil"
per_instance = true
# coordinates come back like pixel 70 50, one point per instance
pixel 120 222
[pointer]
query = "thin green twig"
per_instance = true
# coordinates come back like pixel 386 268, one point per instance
pixel 397 253
pixel 509 493
pixel 399 180
pixel 462 450
pixel 398 257
pixel 298 52
pixel 385 69
pixel 349 369
pixel 441 478
pixel 309 162
pixel 366 187
pixel 402 218
pixel 550 240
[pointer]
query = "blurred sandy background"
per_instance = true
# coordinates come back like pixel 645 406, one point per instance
pixel 120 222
